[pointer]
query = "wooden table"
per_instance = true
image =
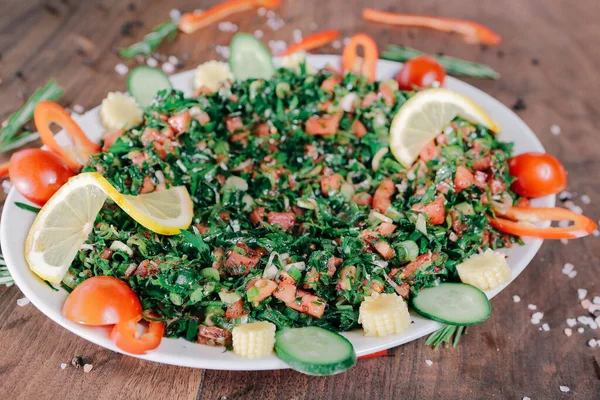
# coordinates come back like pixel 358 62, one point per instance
pixel 505 358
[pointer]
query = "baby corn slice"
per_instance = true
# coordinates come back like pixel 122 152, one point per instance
pixel 254 340
pixel 485 271
pixel 383 314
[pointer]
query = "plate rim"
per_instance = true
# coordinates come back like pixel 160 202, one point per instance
pixel 239 363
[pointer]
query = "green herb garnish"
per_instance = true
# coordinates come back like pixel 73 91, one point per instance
pixel 27 207
pixel 166 30
pixel 448 335
pixel 454 66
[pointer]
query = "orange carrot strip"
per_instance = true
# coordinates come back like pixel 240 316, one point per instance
pixel 313 41
pixel 369 62
pixel 191 22
pixel 48 112
pixel 472 32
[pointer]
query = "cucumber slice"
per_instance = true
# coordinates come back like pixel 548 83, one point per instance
pixel 249 58
pixel 314 351
pixel 453 304
pixel 144 82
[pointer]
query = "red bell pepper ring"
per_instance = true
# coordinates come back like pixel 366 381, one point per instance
pixel 48 112
pixel 472 32
pixel 374 355
pixel 191 22
pixel 369 62
pixel 126 336
pixel 518 221
pixel 313 41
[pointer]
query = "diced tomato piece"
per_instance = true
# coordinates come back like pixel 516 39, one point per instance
pixel 457 224
pixel 234 124
pixel 369 99
pixel 236 310
pixel 421 261
pixel 202 90
pixel 383 195
pixel 202 117
pixel 333 264
pixel 234 98
pixel 330 83
pixel 323 126
pixel 147 185
pixel 376 286
pixel 483 163
pixel 257 215
pixel 359 129
pixel 285 220
pixel 265 288
pixel 286 278
pixel 239 264
pixel 214 336
pixel 218 257
pixel 496 186
pixel 430 152
pixel 263 130
pixel 325 106
pixel 331 182
pixel 180 121
pixel 362 198
pixel 523 202
pixel 106 254
pixel 309 304
pixel 463 179
pixel 384 249
pixel 386 228
pixel 285 292
pixel 110 138
pixel 347 276
pixel 441 139
pixel 311 278
pixel 435 211
pixel 387 94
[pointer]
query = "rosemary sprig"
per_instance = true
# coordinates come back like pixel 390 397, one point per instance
pixel 453 65
pixel 10 136
pixel 167 29
pixel 27 207
pixel 5 278
pixel 448 335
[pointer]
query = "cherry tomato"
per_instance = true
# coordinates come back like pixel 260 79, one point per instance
pixel 38 174
pixel 101 300
pixel 126 335
pixel 538 174
pixel 420 72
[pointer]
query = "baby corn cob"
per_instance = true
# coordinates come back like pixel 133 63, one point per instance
pixel 254 340
pixel 383 314
pixel 485 271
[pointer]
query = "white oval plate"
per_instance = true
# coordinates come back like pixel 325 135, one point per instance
pixel 16 223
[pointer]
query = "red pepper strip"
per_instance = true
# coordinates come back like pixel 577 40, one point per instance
pixel 582 225
pixel 369 62
pixel 472 32
pixel 47 113
pixel 374 355
pixel 4 169
pixel 313 41
pixel 191 22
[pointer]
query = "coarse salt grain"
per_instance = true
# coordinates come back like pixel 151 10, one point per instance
pixel 516 299
pixel 258 33
pixel 580 330
pixel 63 365
pixel 568 267
pixel 585 303
pixel 222 51
pixel 568 332
pixel 546 327
pixel 121 69
pixel 151 62
pixel 564 241
pixel 227 26
pixel 173 60
pixel 584 319
pixel 262 11
pixel 592 343
pixel 555 130
pixel 577 210
pixel 564 389
pixel 596 300
pixel 313 26
pixel 274 22
pixel 572 274
pixel 532 306
pixel 346 40
pixel 78 108
pixel 175 14
pixel 535 321
pixel 297 35
pixel 6 185
pixel 581 293
pixel 525 398
pixel 538 315
pixel 22 301
pixel 87 367
pixel 585 199
pixel 429 362
pixel 336 44
pixel 168 68
pixel 277 46
pixel 571 322
pixel 596 233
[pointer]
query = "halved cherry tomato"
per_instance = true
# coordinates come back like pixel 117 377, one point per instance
pixel 126 335
pixel 47 113
pixel 37 174
pixel 369 62
pixel 538 174
pixel 420 72
pixel 102 300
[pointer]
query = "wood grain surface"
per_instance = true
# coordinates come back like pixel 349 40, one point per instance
pixel 504 358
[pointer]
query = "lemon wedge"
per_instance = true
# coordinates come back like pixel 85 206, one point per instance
pixel 423 117
pixel 67 219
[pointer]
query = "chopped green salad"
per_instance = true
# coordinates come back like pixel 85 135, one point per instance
pixel 294 189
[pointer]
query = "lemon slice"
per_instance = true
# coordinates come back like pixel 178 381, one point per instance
pixel 67 219
pixel 423 117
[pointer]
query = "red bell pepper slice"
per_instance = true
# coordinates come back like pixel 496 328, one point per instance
pixel 191 22
pixel 518 222
pixel 369 62
pixel 313 41
pixel 374 355
pixel 48 112
pixel 126 336
pixel 472 32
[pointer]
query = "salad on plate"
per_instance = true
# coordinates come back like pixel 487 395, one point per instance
pixel 276 207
